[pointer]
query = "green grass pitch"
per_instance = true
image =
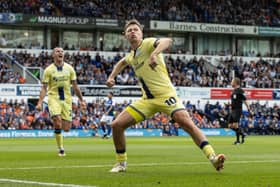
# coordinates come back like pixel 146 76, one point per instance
pixel 159 162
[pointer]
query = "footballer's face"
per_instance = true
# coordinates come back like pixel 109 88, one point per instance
pixel 58 54
pixel 233 83
pixel 133 33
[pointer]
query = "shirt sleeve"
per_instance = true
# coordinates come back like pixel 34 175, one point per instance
pixel 127 57
pixel 150 44
pixel 46 76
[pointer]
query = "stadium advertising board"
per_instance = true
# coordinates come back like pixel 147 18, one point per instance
pixel 221 93
pixel 42 133
pixel 276 94
pixel 194 93
pixel 259 94
pixel 107 22
pixel 90 133
pixel 7 90
pixel 59 20
pixel 117 91
pixel 212 132
pixel 203 27
pixel 269 31
pixel 88 91
pixel 143 132
pixel 135 91
pixel 64 20
pixel 10 18
pixel 28 90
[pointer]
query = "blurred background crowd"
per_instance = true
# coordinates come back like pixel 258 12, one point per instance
pixel 194 72
pixel 18 114
pixel 249 12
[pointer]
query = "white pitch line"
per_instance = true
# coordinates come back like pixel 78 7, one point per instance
pixel 141 165
pixel 41 183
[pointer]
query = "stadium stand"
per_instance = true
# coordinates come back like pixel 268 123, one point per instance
pixel 192 72
pixel 264 13
pixel 184 70
pixel 16 114
pixel 35 7
pixel 257 73
pixel 7 75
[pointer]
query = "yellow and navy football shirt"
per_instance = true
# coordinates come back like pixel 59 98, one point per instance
pixel 155 82
pixel 59 81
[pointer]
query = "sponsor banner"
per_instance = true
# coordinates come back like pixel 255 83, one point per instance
pixel 212 132
pixel 143 132
pixel 28 90
pixel 8 90
pixel 276 94
pixel 117 91
pixel 203 27
pixel 259 94
pixel 58 20
pixel 135 91
pixel 107 22
pixel 65 20
pixel 158 132
pixel 220 93
pixel 269 31
pixel 42 133
pixel 10 18
pixel 193 93
pixel 90 133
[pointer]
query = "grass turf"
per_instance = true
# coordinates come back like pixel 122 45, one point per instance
pixel 161 161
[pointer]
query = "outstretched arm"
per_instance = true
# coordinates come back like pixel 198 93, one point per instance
pixel 117 69
pixel 161 45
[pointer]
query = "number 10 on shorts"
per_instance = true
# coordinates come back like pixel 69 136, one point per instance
pixel 170 101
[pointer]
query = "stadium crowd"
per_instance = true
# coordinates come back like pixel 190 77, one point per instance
pixel 7 75
pixel 183 72
pixel 15 114
pixel 245 12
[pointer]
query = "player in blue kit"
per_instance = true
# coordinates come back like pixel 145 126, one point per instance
pixel 108 117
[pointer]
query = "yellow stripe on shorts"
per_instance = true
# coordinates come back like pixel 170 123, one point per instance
pixel 137 115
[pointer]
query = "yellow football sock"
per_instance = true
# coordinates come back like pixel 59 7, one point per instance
pixel 208 151
pixel 121 157
pixel 59 140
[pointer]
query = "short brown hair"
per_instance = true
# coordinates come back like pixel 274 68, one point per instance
pixel 133 22
pixel 237 81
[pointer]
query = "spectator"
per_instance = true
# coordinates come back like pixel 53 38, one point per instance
pixel 3 41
